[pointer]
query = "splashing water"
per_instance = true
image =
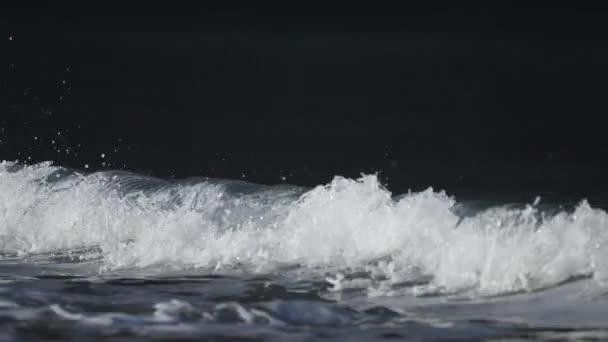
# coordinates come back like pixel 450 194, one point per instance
pixel 137 222
pixel 352 235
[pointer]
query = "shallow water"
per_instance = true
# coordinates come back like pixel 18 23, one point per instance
pixel 118 255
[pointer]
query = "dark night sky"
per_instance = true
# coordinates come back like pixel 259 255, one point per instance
pixel 492 98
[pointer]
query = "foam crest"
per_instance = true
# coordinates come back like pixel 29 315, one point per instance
pixel 353 228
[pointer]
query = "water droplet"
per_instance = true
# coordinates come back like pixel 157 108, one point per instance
pixel 86 166
pixel 103 155
pixel 10 38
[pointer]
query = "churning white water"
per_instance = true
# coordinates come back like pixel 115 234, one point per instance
pixel 338 231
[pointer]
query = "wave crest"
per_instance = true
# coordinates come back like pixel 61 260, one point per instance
pixel 349 225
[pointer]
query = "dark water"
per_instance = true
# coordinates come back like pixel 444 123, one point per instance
pixel 196 304
pixel 121 256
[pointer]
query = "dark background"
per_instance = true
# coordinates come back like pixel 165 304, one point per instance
pixel 508 97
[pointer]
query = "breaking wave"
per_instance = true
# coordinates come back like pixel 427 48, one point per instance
pixel 355 230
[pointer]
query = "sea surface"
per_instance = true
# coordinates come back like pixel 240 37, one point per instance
pixel 120 256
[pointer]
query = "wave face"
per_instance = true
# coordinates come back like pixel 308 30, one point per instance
pixel 352 231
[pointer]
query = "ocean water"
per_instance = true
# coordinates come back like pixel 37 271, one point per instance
pixel 116 255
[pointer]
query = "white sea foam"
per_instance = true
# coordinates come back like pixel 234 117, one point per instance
pixel 346 224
